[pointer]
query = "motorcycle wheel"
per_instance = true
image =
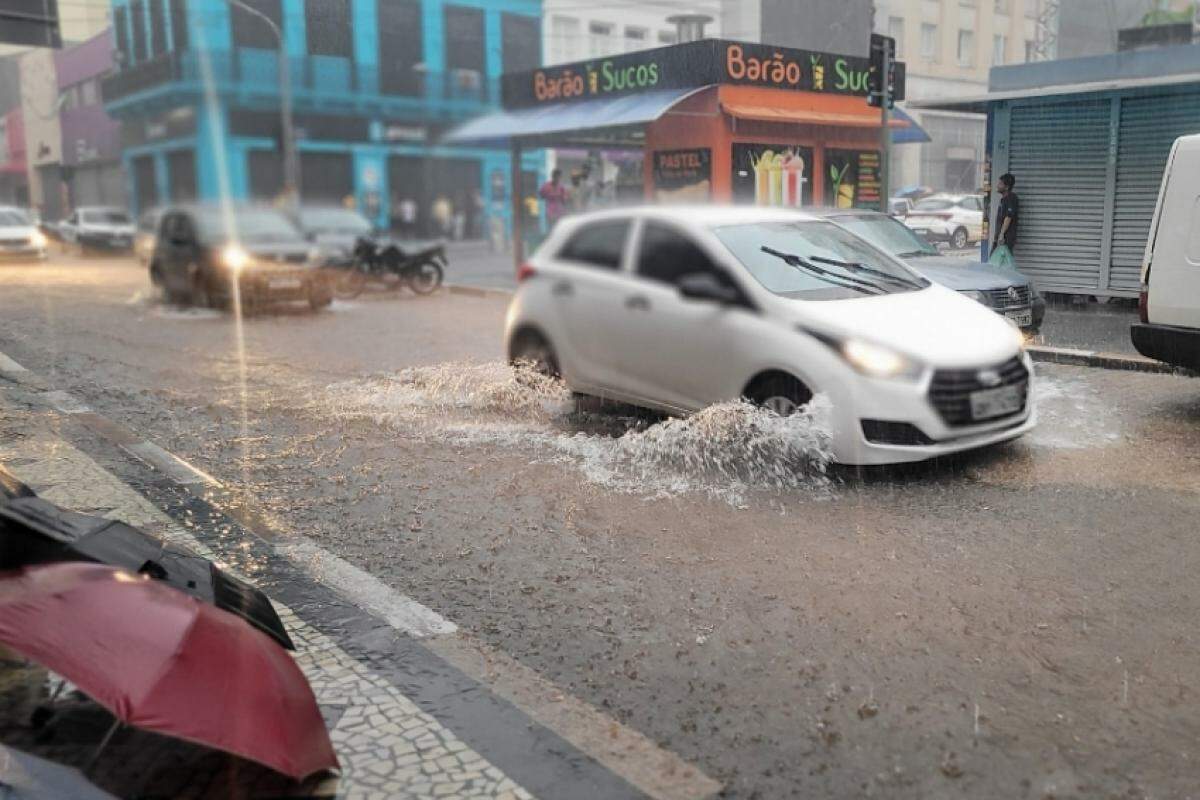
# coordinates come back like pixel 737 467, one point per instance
pixel 426 278
pixel 349 284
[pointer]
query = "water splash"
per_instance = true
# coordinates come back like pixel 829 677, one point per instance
pixel 725 451
pixel 1072 415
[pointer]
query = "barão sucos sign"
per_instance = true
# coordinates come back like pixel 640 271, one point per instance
pixel 693 64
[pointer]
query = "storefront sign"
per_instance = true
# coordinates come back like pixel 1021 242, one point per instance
pixel 852 179
pixel 693 64
pixel 683 175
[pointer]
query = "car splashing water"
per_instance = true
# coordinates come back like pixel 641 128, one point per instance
pixel 724 451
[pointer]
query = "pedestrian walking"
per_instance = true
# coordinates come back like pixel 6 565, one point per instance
pixel 1007 214
pixel 554 194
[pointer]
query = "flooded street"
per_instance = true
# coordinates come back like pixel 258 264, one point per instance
pixel 1015 622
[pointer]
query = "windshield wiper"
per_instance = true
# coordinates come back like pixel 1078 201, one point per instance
pixel 854 266
pixel 856 284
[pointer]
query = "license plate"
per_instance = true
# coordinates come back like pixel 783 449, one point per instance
pixel 921 231
pixel 1023 319
pixel 285 283
pixel 997 402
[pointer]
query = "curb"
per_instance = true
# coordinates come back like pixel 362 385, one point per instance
pixel 476 291
pixel 1092 358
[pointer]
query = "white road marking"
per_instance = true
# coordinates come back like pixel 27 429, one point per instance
pixel 172 465
pixel 8 365
pixel 65 402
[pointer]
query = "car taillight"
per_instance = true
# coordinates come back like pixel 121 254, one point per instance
pixel 1144 304
pixel 525 271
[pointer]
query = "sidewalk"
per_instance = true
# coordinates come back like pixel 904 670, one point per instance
pixel 406 719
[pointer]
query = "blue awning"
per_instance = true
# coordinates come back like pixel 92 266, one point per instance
pixel 600 117
pixel 913 134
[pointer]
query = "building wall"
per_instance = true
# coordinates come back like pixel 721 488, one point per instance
pixel 839 27
pixel 572 31
pixel 43 133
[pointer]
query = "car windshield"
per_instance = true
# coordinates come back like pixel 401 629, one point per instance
pixel 104 216
pixel 934 204
pixel 887 234
pixel 333 220
pixel 815 260
pixel 11 216
pixel 246 225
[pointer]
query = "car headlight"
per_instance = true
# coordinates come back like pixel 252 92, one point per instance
pixel 878 361
pixel 978 297
pixel 38 239
pixel 235 258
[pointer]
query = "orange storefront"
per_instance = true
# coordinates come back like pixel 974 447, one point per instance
pixel 716 121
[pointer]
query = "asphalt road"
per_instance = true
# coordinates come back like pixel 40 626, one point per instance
pixel 1016 623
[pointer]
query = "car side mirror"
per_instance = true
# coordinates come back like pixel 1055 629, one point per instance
pixel 706 286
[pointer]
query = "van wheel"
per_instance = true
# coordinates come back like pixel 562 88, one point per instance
pixel 780 393
pixel 532 348
pixel 960 239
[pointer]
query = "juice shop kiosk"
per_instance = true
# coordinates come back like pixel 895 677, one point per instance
pixel 715 120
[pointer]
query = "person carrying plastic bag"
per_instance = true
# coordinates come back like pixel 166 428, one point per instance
pixel 1006 223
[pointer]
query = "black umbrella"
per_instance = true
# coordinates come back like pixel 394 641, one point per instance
pixel 36 531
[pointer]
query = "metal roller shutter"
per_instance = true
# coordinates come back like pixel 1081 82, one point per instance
pixel 1149 125
pixel 1058 154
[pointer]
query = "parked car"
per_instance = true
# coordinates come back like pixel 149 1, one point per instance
pixel 956 219
pixel 200 251
pixel 679 308
pixel 147 232
pixel 19 235
pixel 900 206
pixel 1169 304
pixel 1005 291
pixel 98 228
pixel 333 229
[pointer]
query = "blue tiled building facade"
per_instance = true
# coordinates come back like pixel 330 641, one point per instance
pixel 374 84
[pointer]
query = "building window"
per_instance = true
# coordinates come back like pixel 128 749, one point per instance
pixel 328 24
pixel 158 28
pixel 465 51
pixel 999 49
pixel 966 48
pixel 601 41
pixel 68 98
pixel 667 37
pixel 137 19
pixel 1003 6
pixel 564 39
pixel 179 25
pixel 520 42
pixel 249 30
pixel 1030 50
pixel 896 31
pixel 89 93
pixel 121 33
pixel 401 48
pixel 635 38
pixel 929 41
pixel 1031 9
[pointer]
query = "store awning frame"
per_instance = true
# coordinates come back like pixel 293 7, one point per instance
pixel 613 122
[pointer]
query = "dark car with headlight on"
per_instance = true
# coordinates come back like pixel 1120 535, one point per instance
pixel 202 253
pixel 1005 291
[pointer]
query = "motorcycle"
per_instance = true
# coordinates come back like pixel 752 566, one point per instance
pixel 387 263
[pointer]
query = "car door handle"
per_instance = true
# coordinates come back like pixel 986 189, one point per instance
pixel 637 302
pixel 563 289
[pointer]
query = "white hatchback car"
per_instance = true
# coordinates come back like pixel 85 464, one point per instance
pixel 956 219
pixel 679 308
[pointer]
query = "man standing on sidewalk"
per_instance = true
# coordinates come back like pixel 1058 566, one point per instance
pixel 555 196
pixel 1007 214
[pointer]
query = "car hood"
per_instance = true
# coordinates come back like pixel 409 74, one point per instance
pixel 16 231
pixel 115 230
pixel 962 274
pixel 936 326
pixel 291 253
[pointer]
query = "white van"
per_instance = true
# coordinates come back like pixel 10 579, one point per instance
pixel 1170 299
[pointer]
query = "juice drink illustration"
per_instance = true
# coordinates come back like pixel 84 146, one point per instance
pixel 793 180
pixel 762 180
pixel 776 174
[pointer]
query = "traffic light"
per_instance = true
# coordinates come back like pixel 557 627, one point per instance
pixel 883 49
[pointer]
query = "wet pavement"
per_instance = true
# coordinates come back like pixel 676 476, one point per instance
pixel 1012 623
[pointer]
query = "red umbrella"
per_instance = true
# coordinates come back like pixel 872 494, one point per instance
pixel 162 660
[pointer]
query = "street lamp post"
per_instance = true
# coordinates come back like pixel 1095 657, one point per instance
pixel 291 164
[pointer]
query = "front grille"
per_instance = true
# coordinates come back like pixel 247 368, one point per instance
pixel 879 431
pixel 950 391
pixel 1001 300
pixel 21 242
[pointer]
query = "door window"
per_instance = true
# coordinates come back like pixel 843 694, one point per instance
pixel 598 245
pixel 666 256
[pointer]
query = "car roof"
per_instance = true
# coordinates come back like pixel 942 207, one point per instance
pixel 102 208
pixel 703 215
pixel 825 212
